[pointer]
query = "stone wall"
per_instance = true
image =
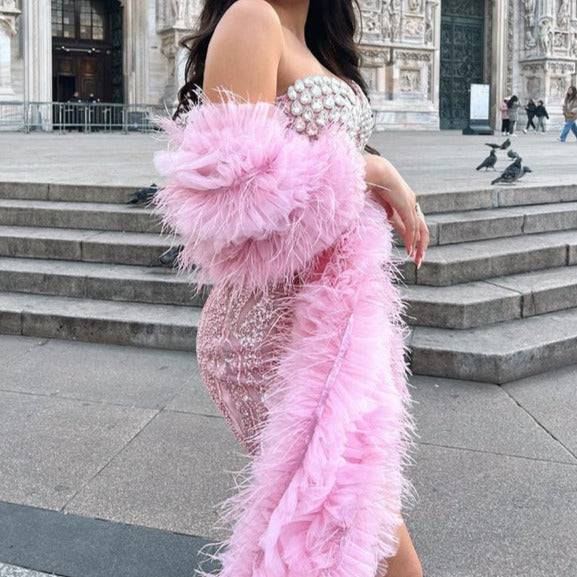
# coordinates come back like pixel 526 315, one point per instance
pixel 400 50
pixel 546 50
pixel 531 50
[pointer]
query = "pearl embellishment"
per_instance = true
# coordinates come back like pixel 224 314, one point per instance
pixel 316 101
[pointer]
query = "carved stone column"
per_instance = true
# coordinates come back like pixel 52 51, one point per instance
pixel 37 27
pixel 499 41
pixel 8 14
pixel 175 20
pixel 136 51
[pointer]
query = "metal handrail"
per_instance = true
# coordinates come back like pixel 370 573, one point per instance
pixel 81 116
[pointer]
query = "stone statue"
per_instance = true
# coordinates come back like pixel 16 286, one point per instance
pixel 530 41
pixel 8 5
pixel 180 10
pixel 415 5
pixel 386 22
pixel 430 6
pixel 394 18
pixel 564 14
pixel 545 36
pixel 529 13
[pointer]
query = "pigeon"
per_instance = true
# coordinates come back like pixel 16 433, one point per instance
pixel 512 154
pixel 526 169
pixel 143 195
pixel 512 173
pixel 169 257
pixel 489 162
pixel 502 146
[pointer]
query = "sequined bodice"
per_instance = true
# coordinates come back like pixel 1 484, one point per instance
pixel 316 101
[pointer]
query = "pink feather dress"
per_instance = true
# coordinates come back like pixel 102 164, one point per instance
pixel 301 342
pixel 240 335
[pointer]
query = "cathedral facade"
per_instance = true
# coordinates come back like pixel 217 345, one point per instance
pixel 419 56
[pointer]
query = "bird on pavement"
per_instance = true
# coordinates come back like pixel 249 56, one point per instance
pixel 143 195
pixel 502 146
pixel 512 173
pixel 489 162
pixel 170 256
pixel 512 154
pixel 526 169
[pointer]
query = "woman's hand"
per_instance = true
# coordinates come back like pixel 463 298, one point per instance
pixel 391 191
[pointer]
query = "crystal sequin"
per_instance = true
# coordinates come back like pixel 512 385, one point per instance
pixel 316 101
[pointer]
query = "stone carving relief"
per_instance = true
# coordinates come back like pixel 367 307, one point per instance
pixel 177 13
pixel 529 10
pixel 414 27
pixel 564 13
pixel 8 13
pixel 410 80
pixel 558 86
pixel 394 18
pixel 549 26
pixel 545 36
pixel 414 73
pixel 430 9
pixel 415 5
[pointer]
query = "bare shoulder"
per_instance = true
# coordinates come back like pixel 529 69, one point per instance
pixel 255 12
pixel 245 50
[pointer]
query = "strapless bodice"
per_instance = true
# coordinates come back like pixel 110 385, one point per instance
pixel 316 101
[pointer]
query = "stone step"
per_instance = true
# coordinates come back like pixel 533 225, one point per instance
pixel 498 353
pixel 459 263
pixel 431 202
pixel 116 282
pixel 157 326
pixel 495 300
pixel 83 245
pixel 494 197
pixel 66 192
pixel 456 227
pixel 77 215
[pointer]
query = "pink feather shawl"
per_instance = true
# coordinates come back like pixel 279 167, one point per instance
pixel 255 204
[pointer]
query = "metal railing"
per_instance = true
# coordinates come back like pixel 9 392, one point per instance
pixel 78 116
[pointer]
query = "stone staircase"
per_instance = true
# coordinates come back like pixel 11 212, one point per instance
pixel 495 300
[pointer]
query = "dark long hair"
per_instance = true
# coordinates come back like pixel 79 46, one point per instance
pixel 571 93
pixel 329 32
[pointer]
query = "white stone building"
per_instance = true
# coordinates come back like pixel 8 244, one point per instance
pixel 420 56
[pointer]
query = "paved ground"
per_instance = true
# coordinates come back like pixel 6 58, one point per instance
pixel 112 458
pixel 101 445
pixel 431 161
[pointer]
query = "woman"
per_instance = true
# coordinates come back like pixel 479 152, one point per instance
pixel 504 117
pixel 301 339
pixel 513 108
pixel 530 110
pixel 569 113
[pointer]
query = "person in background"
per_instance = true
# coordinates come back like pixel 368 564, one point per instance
pixel 504 109
pixel 541 114
pixel 530 110
pixel 513 108
pixel 570 114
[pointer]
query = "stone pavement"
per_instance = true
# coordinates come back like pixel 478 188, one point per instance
pixel 430 161
pixel 112 459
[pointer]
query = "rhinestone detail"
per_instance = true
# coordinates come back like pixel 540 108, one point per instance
pixel 316 101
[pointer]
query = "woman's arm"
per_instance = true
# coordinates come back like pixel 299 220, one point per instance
pixel 244 53
pixel 392 192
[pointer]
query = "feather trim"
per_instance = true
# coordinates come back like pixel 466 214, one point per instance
pixel 252 200
pixel 255 204
pixel 323 496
